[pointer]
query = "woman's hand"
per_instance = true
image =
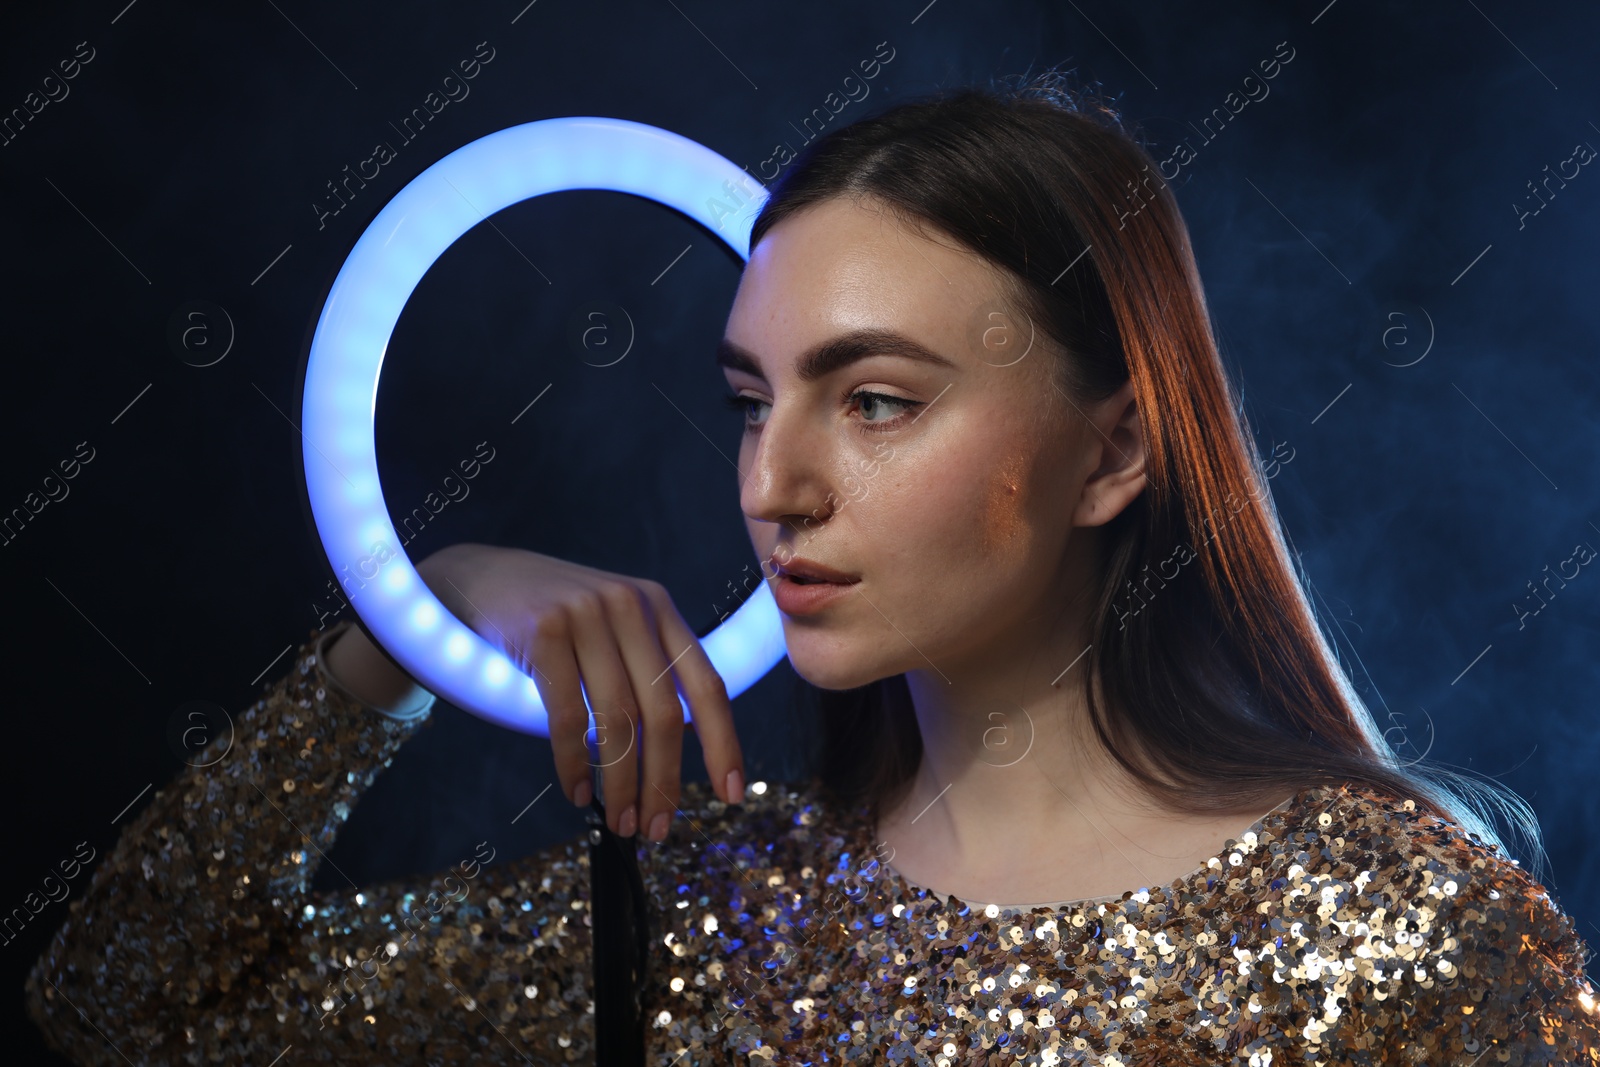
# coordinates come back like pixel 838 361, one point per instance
pixel 624 640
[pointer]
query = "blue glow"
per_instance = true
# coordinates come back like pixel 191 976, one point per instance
pixel 347 351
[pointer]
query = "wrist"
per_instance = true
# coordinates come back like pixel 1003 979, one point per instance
pixel 355 667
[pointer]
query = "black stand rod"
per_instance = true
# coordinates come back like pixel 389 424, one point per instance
pixel 620 930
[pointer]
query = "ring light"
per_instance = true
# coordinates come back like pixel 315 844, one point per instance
pixel 341 386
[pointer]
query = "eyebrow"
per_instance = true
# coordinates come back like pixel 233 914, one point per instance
pixel 841 351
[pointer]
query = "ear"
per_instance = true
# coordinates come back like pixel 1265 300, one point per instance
pixel 1116 448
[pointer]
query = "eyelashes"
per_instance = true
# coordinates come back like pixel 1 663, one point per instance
pixel 899 403
pixel 745 405
pixel 739 403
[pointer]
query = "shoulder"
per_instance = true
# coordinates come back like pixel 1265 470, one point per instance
pixel 1453 950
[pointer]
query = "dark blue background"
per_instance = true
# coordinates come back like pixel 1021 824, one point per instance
pixel 1351 201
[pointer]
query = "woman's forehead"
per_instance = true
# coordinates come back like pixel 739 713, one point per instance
pixel 838 269
pixel 863 243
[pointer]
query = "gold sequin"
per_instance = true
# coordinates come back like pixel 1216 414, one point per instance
pixel 1343 928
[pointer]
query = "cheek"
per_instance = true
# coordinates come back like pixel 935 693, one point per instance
pixel 960 517
pixel 998 510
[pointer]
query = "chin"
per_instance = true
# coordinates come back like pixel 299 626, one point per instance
pixel 828 661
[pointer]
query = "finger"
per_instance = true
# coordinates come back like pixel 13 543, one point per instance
pixel 710 709
pixel 633 620
pixel 615 711
pixel 555 675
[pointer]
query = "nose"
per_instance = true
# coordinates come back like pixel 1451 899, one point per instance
pixel 785 473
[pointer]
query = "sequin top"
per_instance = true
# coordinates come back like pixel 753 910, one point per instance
pixel 1344 927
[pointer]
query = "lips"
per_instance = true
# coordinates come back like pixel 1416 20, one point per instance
pixel 806 572
pixel 806 587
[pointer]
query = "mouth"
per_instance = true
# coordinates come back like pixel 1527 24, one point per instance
pixel 803 592
pixel 811 572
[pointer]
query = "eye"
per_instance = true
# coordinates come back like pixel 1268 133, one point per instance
pixel 743 404
pixel 880 410
pixel 871 403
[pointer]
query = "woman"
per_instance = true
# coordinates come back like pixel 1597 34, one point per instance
pixel 1091 786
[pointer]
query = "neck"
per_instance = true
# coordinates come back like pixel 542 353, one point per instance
pixel 1016 801
pixel 1010 756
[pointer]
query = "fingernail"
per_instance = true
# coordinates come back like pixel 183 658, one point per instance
pixel 658 826
pixel 629 821
pixel 735 786
pixel 583 794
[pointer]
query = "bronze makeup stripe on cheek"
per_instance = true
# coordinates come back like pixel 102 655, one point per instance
pixel 1002 521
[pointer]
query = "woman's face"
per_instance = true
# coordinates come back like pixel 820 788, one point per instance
pixel 950 495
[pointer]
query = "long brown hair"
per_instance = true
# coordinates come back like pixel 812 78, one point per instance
pixel 1227 687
